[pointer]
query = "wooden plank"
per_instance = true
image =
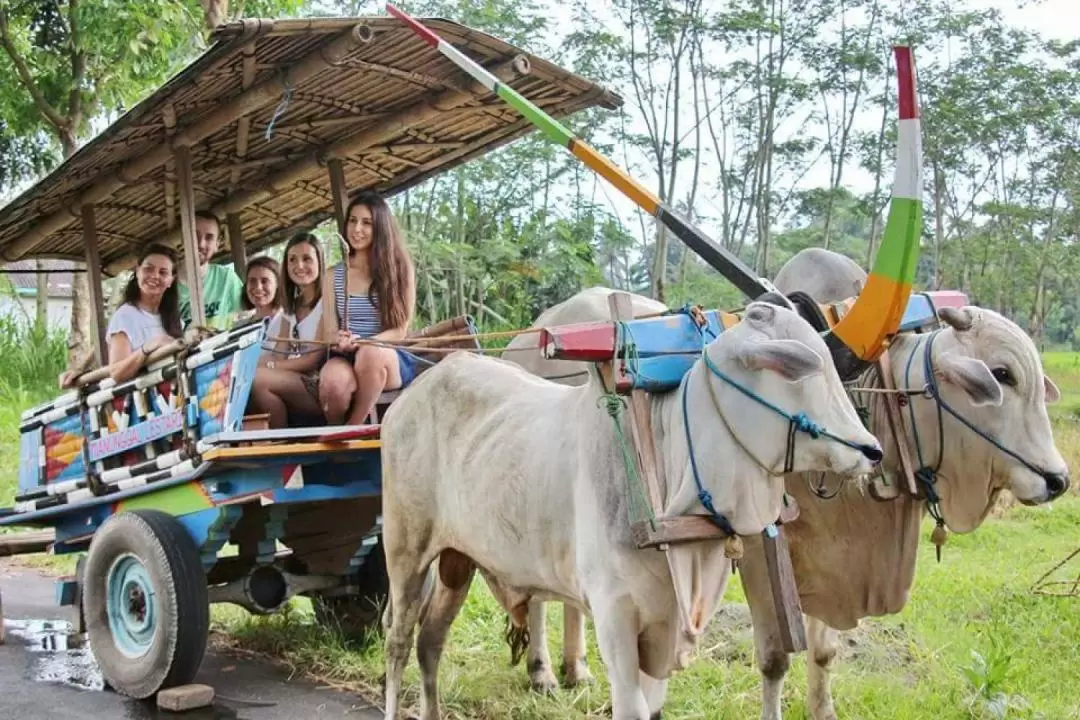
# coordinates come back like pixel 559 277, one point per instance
pixel 93 284
pixel 187 228
pixel 785 592
pixel 652 474
pixel 675 530
pixel 26 542
pixel 322 433
pixel 896 426
pixel 270 451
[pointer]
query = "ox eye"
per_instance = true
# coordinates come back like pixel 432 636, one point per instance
pixel 1003 376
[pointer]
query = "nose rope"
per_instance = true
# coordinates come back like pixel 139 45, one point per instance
pixel 926 475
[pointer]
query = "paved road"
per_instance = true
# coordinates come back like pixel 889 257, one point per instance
pixel 41 678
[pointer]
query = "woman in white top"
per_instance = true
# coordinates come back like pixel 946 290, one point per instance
pixel 148 318
pixel 286 382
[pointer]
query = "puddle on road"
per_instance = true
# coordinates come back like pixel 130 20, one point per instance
pixel 60 655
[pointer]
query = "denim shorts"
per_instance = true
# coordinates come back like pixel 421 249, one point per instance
pixel 407 362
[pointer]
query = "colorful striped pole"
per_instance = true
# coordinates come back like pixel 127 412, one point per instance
pixel 727 263
pixel 882 303
pixel 877 312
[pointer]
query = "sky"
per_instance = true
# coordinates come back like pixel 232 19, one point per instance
pixel 1050 18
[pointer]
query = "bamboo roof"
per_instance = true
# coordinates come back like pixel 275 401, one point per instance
pixel 365 90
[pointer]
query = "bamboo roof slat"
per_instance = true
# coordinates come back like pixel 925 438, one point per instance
pixel 364 90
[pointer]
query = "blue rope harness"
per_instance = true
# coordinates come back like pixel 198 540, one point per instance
pixel 926 475
pixel 799 422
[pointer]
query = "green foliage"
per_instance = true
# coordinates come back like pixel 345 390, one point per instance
pixel 33 355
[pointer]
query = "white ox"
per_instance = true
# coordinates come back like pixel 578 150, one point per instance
pixel 523 479
pixel 585 306
pixel 853 556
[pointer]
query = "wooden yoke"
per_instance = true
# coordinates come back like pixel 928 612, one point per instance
pixel 693 528
pixel 686 528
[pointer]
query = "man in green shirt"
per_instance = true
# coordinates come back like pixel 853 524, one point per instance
pixel 221 286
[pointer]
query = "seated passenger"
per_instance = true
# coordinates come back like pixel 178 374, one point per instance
pixel 222 288
pixel 263 299
pixel 381 302
pixel 149 317
pixel 286 382
pixel 262 289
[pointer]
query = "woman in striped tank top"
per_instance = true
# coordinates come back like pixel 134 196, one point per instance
pixel 381 301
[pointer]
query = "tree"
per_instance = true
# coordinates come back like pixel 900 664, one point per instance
pixel 82 60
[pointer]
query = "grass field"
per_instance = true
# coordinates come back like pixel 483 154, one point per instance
pixel 974 642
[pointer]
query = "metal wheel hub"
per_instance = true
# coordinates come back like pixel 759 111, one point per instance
pixel 131 606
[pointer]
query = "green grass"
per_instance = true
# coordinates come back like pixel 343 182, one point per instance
pixel 973 633
pixel 921 663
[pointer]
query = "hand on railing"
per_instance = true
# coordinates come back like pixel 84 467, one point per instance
pixel 346 343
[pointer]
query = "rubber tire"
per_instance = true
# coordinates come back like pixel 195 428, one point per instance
pixel 356 615
pixel 182 626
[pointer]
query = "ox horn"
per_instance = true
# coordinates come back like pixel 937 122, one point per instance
pixel 861 335
pixel 958 319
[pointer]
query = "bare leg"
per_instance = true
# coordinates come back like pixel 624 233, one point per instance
pixel 575 669
pixel 444 606
pixel 617 636
pixel 276 392
pixel 376 369
pixel 772 661
pixel 821 642
pixel 541 677
pixel 337 383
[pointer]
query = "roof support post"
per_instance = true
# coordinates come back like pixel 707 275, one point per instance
pixel 236 245
pixel 93 284
pixel 339 191
pixel 187 229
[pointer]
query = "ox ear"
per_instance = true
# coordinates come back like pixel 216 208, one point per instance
pixel 1052 392
pixel 972 376
pixel 791 359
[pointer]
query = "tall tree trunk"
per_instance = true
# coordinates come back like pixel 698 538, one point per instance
pixel 939 221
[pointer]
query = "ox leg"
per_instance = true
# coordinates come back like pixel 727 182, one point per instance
pixel 773 662
pixel 655 691
pixel 617 636
pixel 821 642
pixel 541 677
pixel 655 654
pixel 451 589
pixel 575 670
pixel 406 602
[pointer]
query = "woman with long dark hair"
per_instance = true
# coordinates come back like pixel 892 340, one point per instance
pixel 381 301
pixel 149 317
pixel 286 381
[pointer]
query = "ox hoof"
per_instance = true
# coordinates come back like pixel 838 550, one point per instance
pixel 577 674
pixel 542 680
pixel 658 715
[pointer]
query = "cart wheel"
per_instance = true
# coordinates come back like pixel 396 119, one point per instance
pixel 356 615
pixel 145 602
